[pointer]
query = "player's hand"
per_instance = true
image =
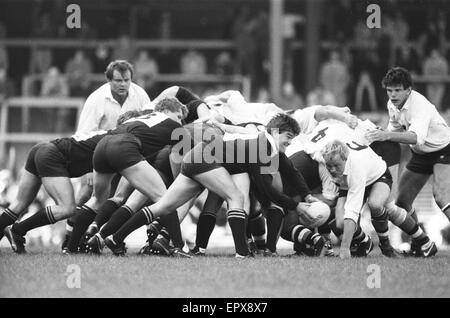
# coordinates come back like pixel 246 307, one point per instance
pixel 310 199
pixel 351 121
pixel 344 253
pixel 376 135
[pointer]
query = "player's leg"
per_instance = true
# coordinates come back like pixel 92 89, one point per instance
pixel 409 186
pixel 29 185
pixel 306 242
pixel 206 222
pixel 61 191
pixel 376 202
pixel 274 218
pixel 181 190
pixel 441 187
pixel 220 182
pixel 257 225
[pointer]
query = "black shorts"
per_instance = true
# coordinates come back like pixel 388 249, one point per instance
pixel 388 150
pixel 308 167
pixel 424 163
pixel 161 163
pixel 115 153
pixel 194 162
pixel 45 160
pixel 385 178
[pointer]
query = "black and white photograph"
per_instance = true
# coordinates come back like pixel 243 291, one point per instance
pixel 220 155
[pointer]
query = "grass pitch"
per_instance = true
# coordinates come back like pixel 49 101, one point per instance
pixel 44 273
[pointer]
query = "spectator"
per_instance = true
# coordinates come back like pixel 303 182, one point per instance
pixel 146 70
pixel 44 27
pixel 335 78
pixel 223 63
pixel 55 84
pixel 320 96
pixel 435 65
pixel 289 98
pixel 6 86
pixel 407 57
pixel 367 65
pixel 4 60
pixel 124 49
pixel 77 70
pixel 193 63
pixel 41 60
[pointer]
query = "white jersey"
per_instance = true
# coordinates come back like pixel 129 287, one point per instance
pixel 238 111
pixel 329 130
pixel 421 117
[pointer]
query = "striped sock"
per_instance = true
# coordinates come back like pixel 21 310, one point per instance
pixel 236 220
pixel 381 226
pixel 120 216
pixel 257 225
pixel 359 236
pixel 143 217
pixel 205 226
pixel 8 217
pixel 301 234
pixel 40 218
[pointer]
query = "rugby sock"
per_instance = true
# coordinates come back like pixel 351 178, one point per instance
pixel 236 220
pixel 399 217
pixel 105 212
pixel 205 226
pixel 40 218
pixel 172 223
pixel 359 236
pixel 143 217
pixel 120 216
pixel 83 217
pixel 337 231
pixel 301 234
pixel 257 226
pixel 8 217
pixel 274 219
pixel 380 224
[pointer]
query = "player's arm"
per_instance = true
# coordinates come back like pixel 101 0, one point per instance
pixel 337 113
pixel 232 129
pixel 352 207
pixel 291 175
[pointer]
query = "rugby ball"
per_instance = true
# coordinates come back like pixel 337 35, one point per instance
pixel 314 214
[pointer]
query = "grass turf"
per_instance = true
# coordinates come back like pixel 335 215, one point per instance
pixel 43 273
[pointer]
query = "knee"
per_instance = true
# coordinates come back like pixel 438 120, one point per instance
pixel 236 198
pixel 68 210
pixel 441 198
pixel 376 207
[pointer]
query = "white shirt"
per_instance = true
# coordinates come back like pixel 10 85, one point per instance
pixel 238 111
pixel 101 110
pixel 362 168
pixel 421 117
pixel 305 118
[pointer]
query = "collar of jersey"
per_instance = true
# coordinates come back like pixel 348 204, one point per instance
pixel 272 143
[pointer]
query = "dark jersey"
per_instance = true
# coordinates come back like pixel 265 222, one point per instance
pixel 257 157
pixel 78 151
pixel 155 131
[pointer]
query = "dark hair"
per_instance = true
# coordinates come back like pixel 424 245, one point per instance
pixel 132 114
pixel 283 123
pixel 397 76
pixel 118 65
pixel 172 105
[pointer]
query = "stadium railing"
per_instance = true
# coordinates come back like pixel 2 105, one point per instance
pixel 26 103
